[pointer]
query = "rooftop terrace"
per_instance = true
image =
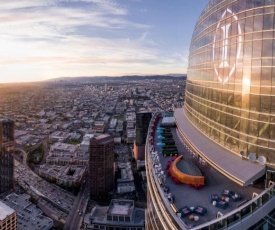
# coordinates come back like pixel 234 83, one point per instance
pixel 215 183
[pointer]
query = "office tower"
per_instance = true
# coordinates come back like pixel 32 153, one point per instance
pixel 230 92
pixel 8 219
pixel 142 123
pixel 6 154
pixel 227 122
pixel 101 165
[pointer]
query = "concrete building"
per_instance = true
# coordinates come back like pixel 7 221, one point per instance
pixel 6 154
pixel 120 215
pixel 125 187
pixel 59 136
pixel 125 184
pixel 139 152
pixel 69 176
pixel 101 165
pixel 67 154
pixel 99 126
pixel 85 144
pixel 8 218
pixel 113 123
pixel 130 136
pixel 28 215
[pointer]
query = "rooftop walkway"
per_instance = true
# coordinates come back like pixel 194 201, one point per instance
pixel 229 164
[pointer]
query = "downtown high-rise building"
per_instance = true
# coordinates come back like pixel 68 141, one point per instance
pixel 6 154
pixel 226 123
pixel 101 165
pixel 142 124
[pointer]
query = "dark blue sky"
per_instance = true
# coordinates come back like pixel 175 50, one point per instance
pixel 53 38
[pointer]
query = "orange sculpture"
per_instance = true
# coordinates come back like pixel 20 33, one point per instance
pixel 195 181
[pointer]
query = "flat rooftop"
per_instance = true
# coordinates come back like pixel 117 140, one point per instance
pixel 242 171
pixel 28 215
pixel 5 210
pixel 120 210
pixel 215 183
pixel 121 207
pixel 109 214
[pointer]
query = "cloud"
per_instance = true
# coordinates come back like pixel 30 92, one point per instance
pixel 51 38
pixel 110 6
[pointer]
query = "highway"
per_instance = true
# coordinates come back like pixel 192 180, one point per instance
pixel 74 219
pixel 53 194
pixel 38 187
pixel 25 155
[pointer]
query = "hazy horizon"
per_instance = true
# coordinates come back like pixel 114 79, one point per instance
pixel 51 39
pixel 103 76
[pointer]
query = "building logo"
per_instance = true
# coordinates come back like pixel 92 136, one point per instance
pixel 227 46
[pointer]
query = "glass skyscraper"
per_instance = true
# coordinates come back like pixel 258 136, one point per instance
pixel 230 94
pixel 142 123
pixel 230 102
pixel 6 154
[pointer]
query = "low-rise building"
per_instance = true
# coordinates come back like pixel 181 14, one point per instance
pixel 59 136
pixel 99 126
pixel 140 164
pixel 67 154
pixel 62 148
pixel 8 218
pixel 125 184
pixel 69 176
pixel 121 214
pixel 131 136
pixel 28 215
pixel 119 127
pixel 84 145
pixel 126 172
pixel 125 187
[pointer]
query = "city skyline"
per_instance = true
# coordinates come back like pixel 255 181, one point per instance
pixel 137 150
pixel 50 39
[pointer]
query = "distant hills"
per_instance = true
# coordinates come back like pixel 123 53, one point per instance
pixel 121 78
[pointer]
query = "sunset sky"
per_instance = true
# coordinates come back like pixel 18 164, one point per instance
pixel 42 39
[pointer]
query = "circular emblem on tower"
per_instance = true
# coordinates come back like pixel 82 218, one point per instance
pixel 227 45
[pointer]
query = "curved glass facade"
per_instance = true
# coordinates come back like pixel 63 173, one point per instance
pixel 230 92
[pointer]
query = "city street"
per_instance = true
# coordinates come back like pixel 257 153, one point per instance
pixel 78 209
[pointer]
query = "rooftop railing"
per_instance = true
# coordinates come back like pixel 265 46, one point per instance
pixel 256 204
pixel 254 209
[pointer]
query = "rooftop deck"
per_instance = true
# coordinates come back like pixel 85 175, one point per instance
pixel 215 183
